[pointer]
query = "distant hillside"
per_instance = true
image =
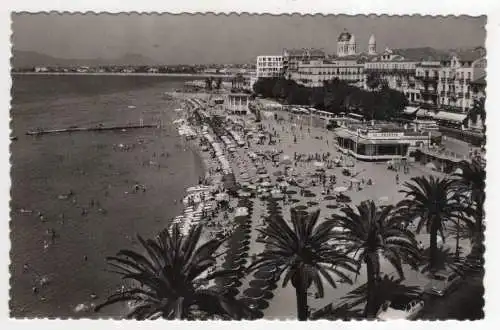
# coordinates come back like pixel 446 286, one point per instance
pixel 26 59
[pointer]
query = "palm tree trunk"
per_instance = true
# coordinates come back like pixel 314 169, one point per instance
pixel 433 245
pixel 301 294
pixel 371 276
pixel 457 243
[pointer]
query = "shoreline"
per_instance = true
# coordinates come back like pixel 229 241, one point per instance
pixel 139 74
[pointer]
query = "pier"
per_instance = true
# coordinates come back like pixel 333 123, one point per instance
pixel 89 129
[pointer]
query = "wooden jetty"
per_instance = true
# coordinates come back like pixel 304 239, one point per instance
pixel 89 129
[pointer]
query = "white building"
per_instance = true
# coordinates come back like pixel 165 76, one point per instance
pixel 314 73
pixel 396 70
pixel 427 80
pixel 237 103
pixel 269 66
pixel 347 65
pixel 292 57
pixel 455 77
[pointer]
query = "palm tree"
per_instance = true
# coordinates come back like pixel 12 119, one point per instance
pixel 478 111
pixel 433 201
pixel 372 233
pixel 168 278
pixel 388 288
pixel 472 183
pixel 303 252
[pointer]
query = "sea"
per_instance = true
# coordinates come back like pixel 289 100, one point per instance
pixel 74 196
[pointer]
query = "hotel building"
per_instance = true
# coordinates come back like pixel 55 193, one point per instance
pixel 395 69
pixel 269 66
pixel 314 73
pixel 292 57
pixel 347 64
pixel 456 77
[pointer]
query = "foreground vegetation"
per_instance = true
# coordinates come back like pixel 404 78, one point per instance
pixel 380 103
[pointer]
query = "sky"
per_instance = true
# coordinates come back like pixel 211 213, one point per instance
pixel 189 39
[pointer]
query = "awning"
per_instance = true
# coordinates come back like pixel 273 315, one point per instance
pixel 410 110
pixel 425 113
pixel 451 116
pixel 342 133
pixel 380 141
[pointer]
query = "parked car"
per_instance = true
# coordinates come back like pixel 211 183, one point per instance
pixel 442 283
pixel 407 312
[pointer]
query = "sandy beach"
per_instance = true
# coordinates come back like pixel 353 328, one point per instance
pixel 299 152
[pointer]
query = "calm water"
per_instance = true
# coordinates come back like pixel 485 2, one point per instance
pixel 103 214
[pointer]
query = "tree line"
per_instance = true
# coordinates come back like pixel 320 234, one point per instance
pixel 335 96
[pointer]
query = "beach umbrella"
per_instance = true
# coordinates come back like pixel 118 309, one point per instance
pixel 329 198
pixel 262 303
pixel 260 284
pixel 312 203
pixel 300 207
pixel 253 293
pixel 340 189
pixel 458 171
pixel 262 275
pixel 319 164
pixel 332 206
pixel 266 184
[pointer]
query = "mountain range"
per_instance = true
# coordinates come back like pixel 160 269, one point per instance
pixel 26 59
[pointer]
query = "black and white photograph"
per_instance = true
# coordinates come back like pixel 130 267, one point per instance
pixel 204 166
